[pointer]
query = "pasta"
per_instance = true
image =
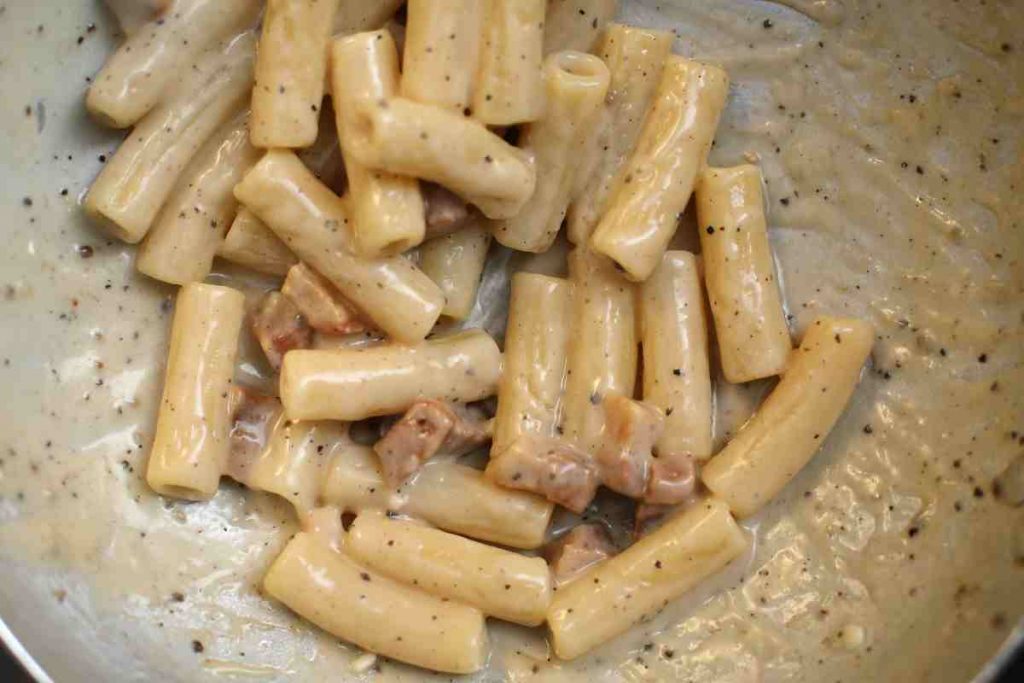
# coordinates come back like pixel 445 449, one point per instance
pixel 795 419
pixel 250 243
pixel 509 88
pixel 314 223
pixel 354 16
pixel 191 443
pixel 576 85
pixel 384 380
pixel 387 208
pixel 576 24
pixel 634 585
pixel 182 243
pixel 442 43
pixel 677 374
pixel 290 72
pixel 654 187
pixel 135 182
pixel 455 262
pixel 497 582
pixel 134 14
pixel 750 323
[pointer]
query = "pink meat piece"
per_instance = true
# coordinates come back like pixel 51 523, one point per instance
pixel 630 432
pixel 673 479
pixel 320 303
pixel 547 466
pixel 578 550
pixel 279 328
pixel 254 417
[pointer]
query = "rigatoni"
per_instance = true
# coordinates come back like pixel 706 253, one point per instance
pixel 442 42
pixel 135 182
pixel 252 244
pixel 314 223
pixel 363 15
pixel 291 65
pixel 455 262
pixel 654 187
pixel 509 87
pixel 752 335
pixel 576 85
pixel 795 419
pixel 576 24
pixel 191 445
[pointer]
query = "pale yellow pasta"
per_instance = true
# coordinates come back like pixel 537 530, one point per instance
pixel 604 359
pixel 136 181
pixel 182 243
pixel 194 422
pixel 655 185
pixel 576 85
pixel 363 15
pixel 537 339
pixel 291 64
pixel 132 15
pixel 453 497
pixel 327 587
pixel 635 59
pixel 500 583
pixel 252 244
pixel 509 87
pixel 354 384
pixel 455 262
pixel 142 72
pixel 442 41
pixel 435 144
pixel 750 323
pixel 314 223
pixel 576 24
pixel 387 208
pixel 677 374
pixel 635 584
pixel 795 419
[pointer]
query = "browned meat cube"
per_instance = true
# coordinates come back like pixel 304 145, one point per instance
pixel 445 211
pixel 279 328
pixel 575 552
pixel 414 439
pixel 552 468
pixel 673 479
pixel 631 429
pixel 320 302
pixel 255 416
pixel 468 432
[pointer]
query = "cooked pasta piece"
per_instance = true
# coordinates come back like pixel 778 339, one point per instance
pixel 576 85
pixel 442 44
pixel 455 263
pixel 387 209
pixel 635 59
pixel 795 419
pixel 548 467
pixel 673 479
pixel 314 223
pixel 186 235
pixel 574 552
pixel 630 432
pixel 500 583
pixel 357 604
pixel 132 15
pixel 509 87
pixel 446 212
pixel 676 370
pixel 420 140
pixel 635 584
pixel 141 73
pixel 576 24
pixel 536 342
pixel 654 186
pixel 320 303
pixel 252 244
pixel 291 65
pixel 136 181
pixel 750 323
pixel 603 318
pixel 363 15
pixel 193 426
pixel 384 380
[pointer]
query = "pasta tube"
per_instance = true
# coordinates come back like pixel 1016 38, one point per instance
pixel 453 497
pixel 753 338
pixel 500 583
pixel 677 374
pixel 363 15
pixel 136 181
pixel 576 24
pixel 182 243
pixel 408 138
pixel 376 613
pixel 387 208
pixel 132 15
pixel 795 419
pixel 627 588
pixel 252 244
pixel 291 65
pixel 442 42
pixel 576 85
pixel 509 87
pixel 654 187
pixel 536 342
pixel 314 223
pixel 194 423
pixel 142 71
pixel 354 384
pixel 603 319
pixel 455 262
pixel 635 59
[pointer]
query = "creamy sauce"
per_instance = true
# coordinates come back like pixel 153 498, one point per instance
pixel 889 135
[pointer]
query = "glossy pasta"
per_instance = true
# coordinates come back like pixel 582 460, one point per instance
pixel 250 243
pixel 576 24
pixel 455 263
pixel 441 56
pixel 509 88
